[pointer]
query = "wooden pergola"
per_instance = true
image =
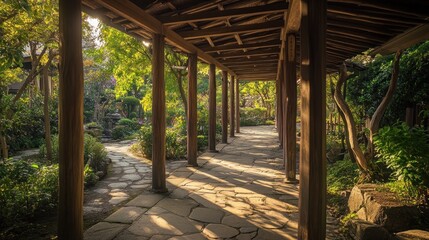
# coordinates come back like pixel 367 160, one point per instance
pixel 247 40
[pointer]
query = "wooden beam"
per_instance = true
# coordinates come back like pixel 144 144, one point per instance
pixel 237 106
pixel 192 122
pixel 405 40
pixel 212 108
pixel 253 65
pixel 258 52
pixel 232 107
pixel 231 30
pixel 221 48
pixel 158 115
pixel 255 59
pixel 129 10
pixel 280 82
pixel 225 14
pixel 412 7
pixel 312 189
pixel 71 165
pixel 290 108
pixel 224 107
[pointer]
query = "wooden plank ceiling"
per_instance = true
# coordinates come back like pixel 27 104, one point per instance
pixel 244 37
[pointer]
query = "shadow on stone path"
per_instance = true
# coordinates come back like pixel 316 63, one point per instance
pixel 127 177
pixel 237 193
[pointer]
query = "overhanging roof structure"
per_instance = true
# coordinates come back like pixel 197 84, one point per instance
pixel 246 37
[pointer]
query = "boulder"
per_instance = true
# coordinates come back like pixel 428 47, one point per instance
pixel 414 234
pixel 363 230
pixel 382 208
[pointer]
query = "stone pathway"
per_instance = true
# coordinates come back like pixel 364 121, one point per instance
pixel 127 177
pixel 237 193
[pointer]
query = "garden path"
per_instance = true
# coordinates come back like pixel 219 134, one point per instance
pixel 237 193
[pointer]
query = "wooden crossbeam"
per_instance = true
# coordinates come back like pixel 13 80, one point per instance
pixel 127 9
pixel 253 65
pixel 225 14
pixel 232 30
pixel 412 7
pixel 258 59
pixel 258 52
pixel 273 43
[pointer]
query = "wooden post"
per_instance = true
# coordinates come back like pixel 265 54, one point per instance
pixel 224 107
pixel 232 109
pixel 192 110
pixel 212 108
pixel 290 108
pixel 158 115
pixel 280 123
pixel 312 194
pixel 70 209
pixel 237 106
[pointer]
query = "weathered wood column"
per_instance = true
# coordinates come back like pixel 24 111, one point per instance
pixel 237 106
pixel 312 194
pixel 70 219
pixel 290 107
pixel 158 114
pixel 212 108
pixel 192 110
pixel 280 122
pixel 232 108
pixel 224 107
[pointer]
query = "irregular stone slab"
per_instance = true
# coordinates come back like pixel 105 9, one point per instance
pixel 246 236
pixel 104 231
pixel 163 224
pixel 196 236
pixel 117 200
pixel 101 190
pixel 87 209
pixel 126 215
pixel 207 215
pixel 220 231
pixel 118 185
pixel 363 230
pixel 146 200
pixel 139 186
pixel 180 207
pixel 126 235
pixel 237 222
pixel 248 229
pixel 132 177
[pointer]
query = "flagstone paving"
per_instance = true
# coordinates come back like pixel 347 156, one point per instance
pixel 237 193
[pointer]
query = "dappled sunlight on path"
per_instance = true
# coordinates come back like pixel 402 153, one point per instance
pixel 237 193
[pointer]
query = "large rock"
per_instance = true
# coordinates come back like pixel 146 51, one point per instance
pixel 414 234
pixel 382 208
pixel 363 230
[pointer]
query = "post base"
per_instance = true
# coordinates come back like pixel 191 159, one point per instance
pixel 291 181
pixel 161 190
pixel 213 151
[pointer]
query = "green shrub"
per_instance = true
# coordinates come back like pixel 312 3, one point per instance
pixel 94 152
pixel 202 142
pixel 133 115
pixel 341 175
pixel 131 124
pixel 269 122
pixel 174 140
pixel 406 152
pixel 29 194
pixel 253 116
pixel 94 129
pixel 90 178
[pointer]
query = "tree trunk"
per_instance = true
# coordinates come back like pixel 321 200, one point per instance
pixel 378 114
pixel 3 144
pixel 351 125
pixel 48 140
pixel 346 134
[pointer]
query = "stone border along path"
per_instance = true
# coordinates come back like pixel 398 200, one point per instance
pixel 237 193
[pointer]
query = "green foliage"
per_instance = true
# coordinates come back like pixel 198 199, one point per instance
pixel 367 88
pixel 90 178
pixel 174 140
pixel 341 175
pixel 94 129
pixel 94 152
pixel 131 124
pixel 253 116
pixel 26 190
pixel 406 152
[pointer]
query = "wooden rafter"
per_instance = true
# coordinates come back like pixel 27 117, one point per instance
pixel 225 14
pixel 232 30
